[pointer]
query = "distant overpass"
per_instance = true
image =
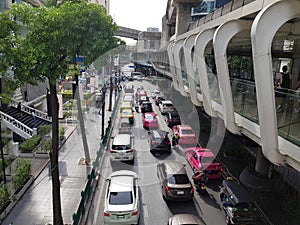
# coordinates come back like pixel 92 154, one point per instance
pixel 128 33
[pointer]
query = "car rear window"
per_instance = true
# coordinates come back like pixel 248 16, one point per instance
pixel 187 132
pixel 120 198
pixel 168 105
pixel 178 179
pixel 205 159
pixel 120 147
pixel 149 117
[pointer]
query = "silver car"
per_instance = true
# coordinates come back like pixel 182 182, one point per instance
pixel 175 184
pixel 122 198
pixel 181 219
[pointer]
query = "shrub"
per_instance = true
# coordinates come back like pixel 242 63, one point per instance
pixel 23 171
pixel 61 131
pixel 4 196
pixel 46 145
pixel 67 114
pixel 44 130
pixel 29 144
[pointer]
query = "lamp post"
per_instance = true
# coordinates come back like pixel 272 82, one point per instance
pixel 1 147
pixel 103 109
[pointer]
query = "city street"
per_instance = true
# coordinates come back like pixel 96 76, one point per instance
pixel 154 209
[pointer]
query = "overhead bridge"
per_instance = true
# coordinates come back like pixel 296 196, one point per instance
pixel 128 33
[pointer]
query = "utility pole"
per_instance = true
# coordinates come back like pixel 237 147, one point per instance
pixel 1 147
pixel 103 109
pixel 110 94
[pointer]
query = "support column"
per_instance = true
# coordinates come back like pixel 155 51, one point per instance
pixel 183 14
pixel 222 36
pixel 200 44
pixel 176 52
pixel 170 51
pixel 187 50
pixel 262 164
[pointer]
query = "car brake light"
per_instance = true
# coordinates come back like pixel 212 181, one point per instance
pixel 192 190
pixel 167 189
pixel 153 142
pixel 134 213
pixel 168 142
pixel 106 214
pixel 130 150
pixel 111 151
pixel 169 120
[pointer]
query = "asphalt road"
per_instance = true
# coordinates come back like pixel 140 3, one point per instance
pixel 154 210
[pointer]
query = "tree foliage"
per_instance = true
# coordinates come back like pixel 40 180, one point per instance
pixel 57 32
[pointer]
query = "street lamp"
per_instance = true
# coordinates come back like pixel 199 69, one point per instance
pixel 1 147
pixel 103 109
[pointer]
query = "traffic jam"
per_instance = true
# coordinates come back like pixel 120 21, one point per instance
pixel 154 154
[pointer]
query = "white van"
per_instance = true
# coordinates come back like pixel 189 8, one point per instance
pixel 122 148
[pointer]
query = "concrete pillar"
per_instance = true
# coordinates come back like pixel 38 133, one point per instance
pixel 187 50
pixel 170 52
pixel 199 64
pixel 262 164
pixel 178 69
pixel 222 36
pixel 183 14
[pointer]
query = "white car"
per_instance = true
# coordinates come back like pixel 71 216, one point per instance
pixel 122 198
pixel 166 106
pixel 154 94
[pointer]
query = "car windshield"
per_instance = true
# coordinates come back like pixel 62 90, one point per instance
pixel 178 179
pixel 120 198
pixel 185 131
pixel 120 147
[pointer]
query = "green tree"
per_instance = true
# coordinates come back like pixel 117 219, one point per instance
pixel 54 33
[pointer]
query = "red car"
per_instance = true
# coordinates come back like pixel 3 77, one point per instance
pixel 203 159
pixel 150 120
pixel 186 135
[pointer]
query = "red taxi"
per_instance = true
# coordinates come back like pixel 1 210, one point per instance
pixel 203 159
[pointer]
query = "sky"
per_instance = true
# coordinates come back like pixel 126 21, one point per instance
pixel 138 14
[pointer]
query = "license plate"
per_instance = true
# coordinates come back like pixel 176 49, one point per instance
pixel 120 216
pixel 180 192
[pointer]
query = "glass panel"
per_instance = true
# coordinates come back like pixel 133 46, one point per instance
pixel 288 116
pixel 244 98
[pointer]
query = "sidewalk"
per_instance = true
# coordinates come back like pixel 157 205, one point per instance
pixel 35 207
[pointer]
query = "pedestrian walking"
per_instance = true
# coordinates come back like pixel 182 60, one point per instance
pixel 33 118
pixel 283 84
pixel 19 108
